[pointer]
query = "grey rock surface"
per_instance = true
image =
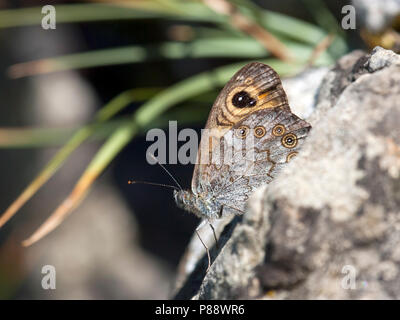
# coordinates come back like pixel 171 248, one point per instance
pixel 328 227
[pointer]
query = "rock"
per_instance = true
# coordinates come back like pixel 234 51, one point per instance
pixel 302 90
pixel 328 227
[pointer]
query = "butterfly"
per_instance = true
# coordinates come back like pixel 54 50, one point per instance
pixel 252 122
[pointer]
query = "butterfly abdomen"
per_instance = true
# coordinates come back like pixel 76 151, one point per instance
pixel 196 204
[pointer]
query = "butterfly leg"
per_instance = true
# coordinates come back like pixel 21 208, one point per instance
pixel 213 229
pixel 202 223
pixel 215 236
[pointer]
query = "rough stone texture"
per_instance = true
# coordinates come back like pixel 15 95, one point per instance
pixel 302 90
pixel 336 207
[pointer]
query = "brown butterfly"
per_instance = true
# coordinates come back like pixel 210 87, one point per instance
pixel 250 118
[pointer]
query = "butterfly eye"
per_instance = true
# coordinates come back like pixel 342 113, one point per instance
pixel 242 99
pixel 291 155
pixel 241 132
pixel 259 132
pixel 278 130
pixel 289 140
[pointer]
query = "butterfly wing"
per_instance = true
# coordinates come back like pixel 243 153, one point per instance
pixel 259 81
pixel 250 114
pixel 272 139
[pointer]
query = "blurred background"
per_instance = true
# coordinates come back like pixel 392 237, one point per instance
pixel 77 101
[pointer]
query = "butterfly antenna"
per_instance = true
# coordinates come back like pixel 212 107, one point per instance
pixel 153 184
pixel 165 169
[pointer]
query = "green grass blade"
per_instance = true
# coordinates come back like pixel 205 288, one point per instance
pixel 72 13
pixel 202 48
pixel 326 20
pixel 246 48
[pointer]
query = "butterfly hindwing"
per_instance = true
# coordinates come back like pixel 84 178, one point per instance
pixel 256 157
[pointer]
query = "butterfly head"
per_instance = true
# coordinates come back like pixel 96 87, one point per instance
pixel 182 198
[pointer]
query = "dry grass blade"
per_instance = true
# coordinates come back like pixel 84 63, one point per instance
pixel 30 68
pixel 43 177
pixel 244 24
pixel 320 48
pixel 24 197
pixel 62 211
